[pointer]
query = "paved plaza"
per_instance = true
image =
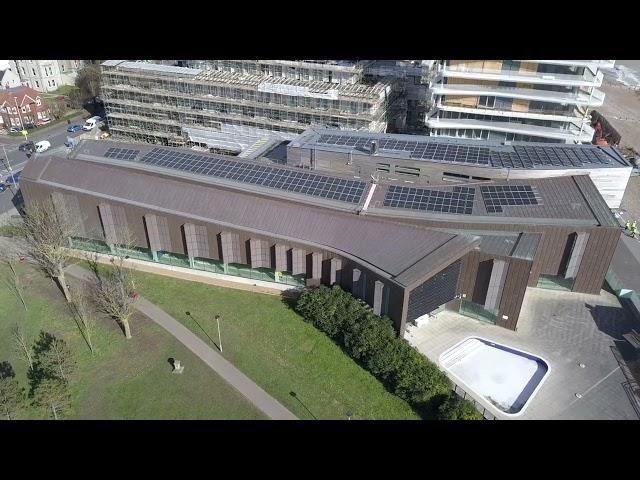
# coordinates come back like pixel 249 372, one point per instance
pixel 566 329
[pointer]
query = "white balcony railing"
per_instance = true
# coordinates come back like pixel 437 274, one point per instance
pixel 588 79
pixel 582 98
pixel 571 134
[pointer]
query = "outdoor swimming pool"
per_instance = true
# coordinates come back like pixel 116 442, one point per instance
pixel 505 377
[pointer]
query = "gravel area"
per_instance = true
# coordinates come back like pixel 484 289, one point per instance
pixel 622 108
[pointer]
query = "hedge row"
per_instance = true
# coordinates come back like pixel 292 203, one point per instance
pixel 372 341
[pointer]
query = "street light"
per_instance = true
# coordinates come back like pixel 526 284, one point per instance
pixel 9 170
pixel 219 337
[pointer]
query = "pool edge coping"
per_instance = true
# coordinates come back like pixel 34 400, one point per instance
pixel 481 399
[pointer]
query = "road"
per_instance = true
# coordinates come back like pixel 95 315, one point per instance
pixel 17 159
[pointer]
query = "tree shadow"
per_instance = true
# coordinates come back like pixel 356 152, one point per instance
pixel 290 297
pixel 6 370
pixel 172 362
pixel 37 374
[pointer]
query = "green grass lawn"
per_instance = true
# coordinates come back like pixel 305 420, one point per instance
pixel 125 379
pixel 270 343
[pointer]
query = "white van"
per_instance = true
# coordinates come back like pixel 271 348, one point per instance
pixel 42 146
pixel 90 123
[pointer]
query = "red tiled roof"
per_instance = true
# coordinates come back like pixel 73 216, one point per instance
pixel 22 93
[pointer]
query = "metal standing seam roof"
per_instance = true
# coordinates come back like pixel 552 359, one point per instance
pixel 401 252
pixel 516 155
pixel 99 151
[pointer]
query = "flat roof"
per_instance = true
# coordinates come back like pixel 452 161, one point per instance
pixel 476 153
pixel 405 254
pixel 572 200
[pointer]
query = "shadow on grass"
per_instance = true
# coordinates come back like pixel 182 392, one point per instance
pixel 190 315
pixel 426 410
pixel 290 297
pixel 6 370
pixel 295 395
pixel 38 373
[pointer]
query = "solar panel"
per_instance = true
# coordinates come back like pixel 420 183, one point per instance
pixel 349 191
pixel 497 196
pixel 531 156
pixel 433 150
pixel 121 153
pixel 458 200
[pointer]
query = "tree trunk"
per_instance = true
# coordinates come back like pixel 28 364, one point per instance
pixel 127 329
pixel 63 286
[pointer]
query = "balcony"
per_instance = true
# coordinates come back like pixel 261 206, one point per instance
pixel 588 79
pixel 569 135
pixel 592 64
pixel 582 98
pixel 533 114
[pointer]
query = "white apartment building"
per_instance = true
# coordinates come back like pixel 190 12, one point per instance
pixel 515 100
pixel 47 75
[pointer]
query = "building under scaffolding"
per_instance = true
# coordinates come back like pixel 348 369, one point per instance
pixel 241 106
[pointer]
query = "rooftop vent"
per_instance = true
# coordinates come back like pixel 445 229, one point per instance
pixel 373 148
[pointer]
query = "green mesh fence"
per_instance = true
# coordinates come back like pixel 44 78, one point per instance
pixel 89 245
pixel 203 264
pixel 555 282
pixel 478 312
pixel 175 259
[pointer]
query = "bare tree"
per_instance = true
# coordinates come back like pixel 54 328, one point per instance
pixel 114 289
pixel 53 395
pixel 88 80
pixel 47 232
pixel 13 282
pixel 22 345
pixel 55 359
pixel 83 315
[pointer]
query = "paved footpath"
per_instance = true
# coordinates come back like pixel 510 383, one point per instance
pixel 256 395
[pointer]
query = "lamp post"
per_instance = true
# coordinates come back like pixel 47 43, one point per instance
pixel 9 170
pixel 219 337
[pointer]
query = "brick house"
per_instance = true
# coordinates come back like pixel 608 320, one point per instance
pixel 22 105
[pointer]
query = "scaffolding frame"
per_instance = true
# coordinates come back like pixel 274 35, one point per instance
pixel 148 102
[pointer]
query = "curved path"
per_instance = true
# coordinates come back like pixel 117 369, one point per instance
pixel 256 395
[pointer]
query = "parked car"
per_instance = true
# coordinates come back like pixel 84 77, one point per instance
pixel 104 135
pixel 74 128
pixel 30 126
pixel 14 130
pixel 13 179
pixel 42 146
pixel 90 123
pixel 27 147
pixel 3 187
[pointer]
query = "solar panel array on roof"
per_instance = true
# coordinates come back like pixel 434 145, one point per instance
pixel 121 153
pixel 440 151
pixel 349 191
pixel 530 156
pixel 458 200
pixel 497 196
pixel 518 156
